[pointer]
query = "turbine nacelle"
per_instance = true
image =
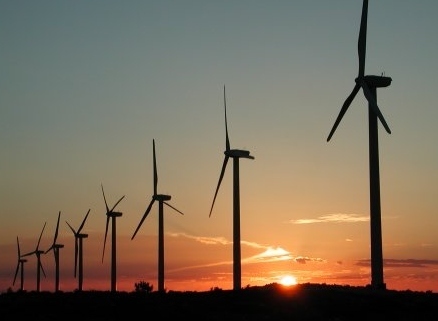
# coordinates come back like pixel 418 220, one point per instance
pixel 238 153
pixel 114 214
pixel 162 197
pixel 375 81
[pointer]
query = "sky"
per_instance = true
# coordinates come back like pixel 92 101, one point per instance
pixel 86 86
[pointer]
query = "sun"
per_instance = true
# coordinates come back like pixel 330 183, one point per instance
pixel 288 280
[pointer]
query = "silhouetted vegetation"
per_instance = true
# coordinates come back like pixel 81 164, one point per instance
pixel 270 302
pixel 143 286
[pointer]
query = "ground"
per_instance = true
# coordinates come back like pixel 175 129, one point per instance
pixel 271 302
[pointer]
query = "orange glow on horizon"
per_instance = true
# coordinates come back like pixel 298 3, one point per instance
pixel 288 280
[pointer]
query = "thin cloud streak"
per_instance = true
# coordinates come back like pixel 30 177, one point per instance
pixel 203 239
pixel 268 255
pixel 333 218
pixel 402 263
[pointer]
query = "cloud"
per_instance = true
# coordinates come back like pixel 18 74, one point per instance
pixel 404 263
pixel 271 254
pixel 333 218
pixel 218 240
pixel 203 239
pixel 266 254
pixel 305 259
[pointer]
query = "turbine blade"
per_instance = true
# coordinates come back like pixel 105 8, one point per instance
pixel 173 208
pixel 30 253
pixel 104 198
pixel 57 227
pixel 42 269
pixel 144 217
pixel 117 203
pixel 362 41
pixel 18 262
pixel 224 166
pixel 227 140
pixel 76 254
pixel 50 248
pixel 106 233
pixel 16 272
pixel 155 169
pixel 39 240
pixel 18 248
pixel 373 104
pixel 83 221
pixel 71 228
pixel 344 109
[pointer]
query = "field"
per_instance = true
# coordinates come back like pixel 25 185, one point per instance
pixel 270 302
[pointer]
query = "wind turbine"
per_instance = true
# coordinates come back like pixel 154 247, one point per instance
pixel 79 237
pixel 38 253
pixel 161 198
pixel 20 266
pixel 235 154
pixel 113 215
pixel 369 85
pixel 55 248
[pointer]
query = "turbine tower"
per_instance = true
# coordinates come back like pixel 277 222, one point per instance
pixel 369 85
pixel 113 215
pixel 38 253
pixel 55 248
pixel 20 267
pixel 79 238
pixel 235 154
pixel 161 198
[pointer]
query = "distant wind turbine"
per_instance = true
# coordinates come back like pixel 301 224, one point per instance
pixel 20 267
pixel 235 154
pixel 55 248
pixel 113 215
pixel 79 237
pixel 38 253
pixel 369 85
pixel 161 198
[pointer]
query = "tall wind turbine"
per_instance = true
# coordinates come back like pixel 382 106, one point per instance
pixel 161 198
pixel 369 85
pixel 55 248
pixel 38 253
pixel 235 154
pixel 20 267
pixel 79 237
pixel 113 215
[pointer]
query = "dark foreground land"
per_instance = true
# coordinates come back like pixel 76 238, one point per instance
pixel 270 302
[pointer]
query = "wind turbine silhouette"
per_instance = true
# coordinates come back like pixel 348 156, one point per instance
pixel 161 198
pixel 20 266
pixel 38 253
pixel 113 215
pixel 79 237
pixel 235 154
pixel 369 85
pixel 55 248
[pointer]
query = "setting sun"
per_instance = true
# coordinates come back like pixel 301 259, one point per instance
pixel 288 280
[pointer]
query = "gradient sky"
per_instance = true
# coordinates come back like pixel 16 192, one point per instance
pixel 85 86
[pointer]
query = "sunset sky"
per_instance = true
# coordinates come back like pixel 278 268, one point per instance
pixel 86 86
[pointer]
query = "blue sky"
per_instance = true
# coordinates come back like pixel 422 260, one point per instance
pixel 85 86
